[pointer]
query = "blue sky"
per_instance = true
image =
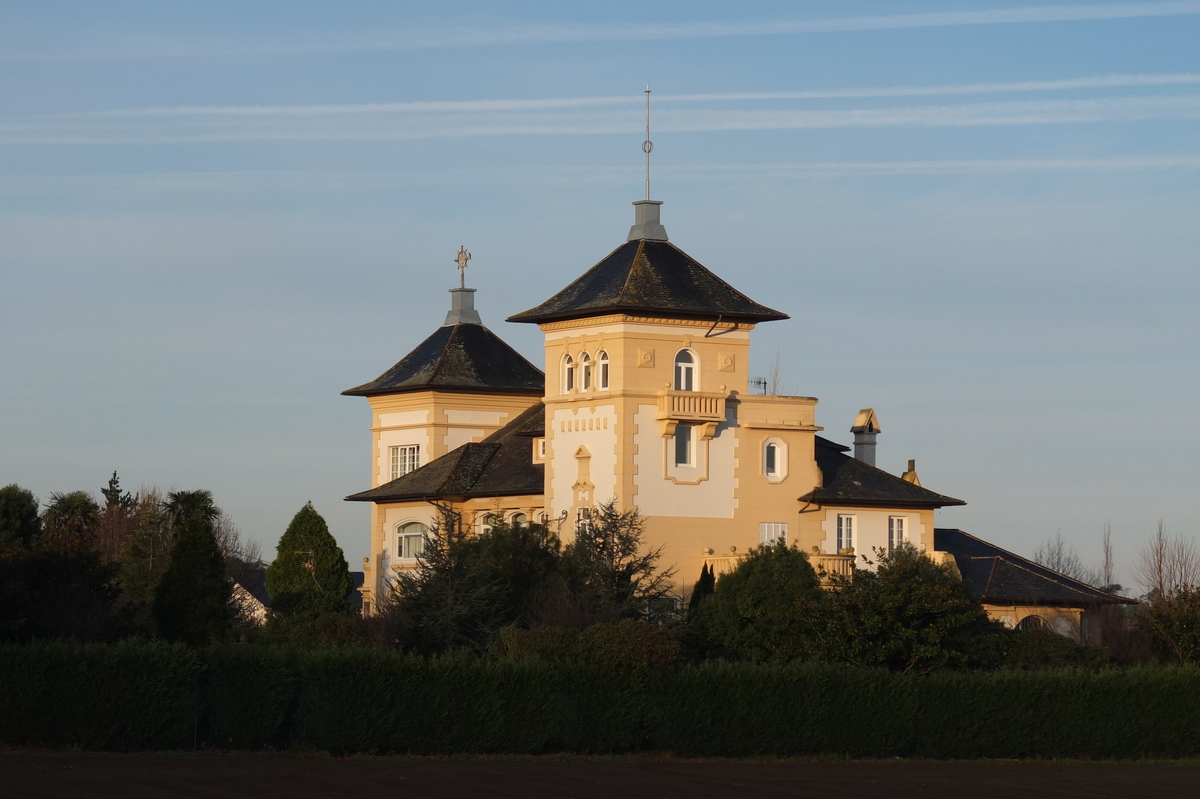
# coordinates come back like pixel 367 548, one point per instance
pixel 984 220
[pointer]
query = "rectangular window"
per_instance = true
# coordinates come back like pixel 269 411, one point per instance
pixel 845 532
pixel 772 533
pixel 897 534
pixel 405 459
pixel 683 445
pixel 771 460
pixel 412 545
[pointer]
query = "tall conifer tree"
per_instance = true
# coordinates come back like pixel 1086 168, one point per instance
pixel 309 572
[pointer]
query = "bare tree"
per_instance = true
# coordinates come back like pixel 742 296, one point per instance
pixel 775 375
pixel 1108 575
pixel 242 556
pixel 1056 554
pixel 1166 566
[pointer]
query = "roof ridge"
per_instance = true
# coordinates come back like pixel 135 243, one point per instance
pixel 889 475
pixel 641 247
pixel 1004 552
pixel 437 366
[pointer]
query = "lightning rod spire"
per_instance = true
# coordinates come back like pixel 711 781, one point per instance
pixel 647 146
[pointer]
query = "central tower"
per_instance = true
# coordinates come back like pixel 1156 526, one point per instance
pixel 646 375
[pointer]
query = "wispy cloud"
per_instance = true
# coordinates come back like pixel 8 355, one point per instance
pixel 558 103
pixel 293 181
pixel 387 123
pixel 159 46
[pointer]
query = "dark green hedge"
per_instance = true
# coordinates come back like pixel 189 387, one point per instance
pixel 159 696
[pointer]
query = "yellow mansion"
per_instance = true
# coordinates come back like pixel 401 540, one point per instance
pixel 645 399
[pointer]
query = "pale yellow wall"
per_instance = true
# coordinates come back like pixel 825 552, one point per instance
pixel 387 518
pixel 1062 620
pixel 438 421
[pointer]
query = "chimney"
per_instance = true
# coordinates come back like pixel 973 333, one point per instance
pixel 645 223
pixel 462 308
pixel 866 427
pixel 911 475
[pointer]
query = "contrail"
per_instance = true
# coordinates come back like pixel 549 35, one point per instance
pixel 524 34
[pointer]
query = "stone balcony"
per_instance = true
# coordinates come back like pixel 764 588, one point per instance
pixel 829 566
pixel 703 408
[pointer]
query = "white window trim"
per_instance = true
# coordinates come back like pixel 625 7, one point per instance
pixel 691 446
pixel 690 369
pixel 770 533
pixel 781 459
pixel 847 525
pixel 585 372
pixel 404 458
pixel 602 370
pixel 568 374
pixel 897 532
pixel 401 535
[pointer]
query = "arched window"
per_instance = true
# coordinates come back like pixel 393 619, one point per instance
pixel 1033 623
pixel 568 374
pixel 519 520
pixel 685 371
pixel 410 540
pixel 602 370
pixel 585 372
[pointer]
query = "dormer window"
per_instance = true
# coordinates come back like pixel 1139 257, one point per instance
pixel 685 371
pixel 602 370
pixel 568 374
pixel 585 372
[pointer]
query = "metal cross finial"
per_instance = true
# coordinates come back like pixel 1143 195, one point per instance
pixel 461 260
pixel 647 146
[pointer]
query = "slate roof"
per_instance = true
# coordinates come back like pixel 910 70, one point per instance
pixel 647 276
pixel 499 466
pixel 849 481
pixel 999 577
pixel 255 583
pixel 463 357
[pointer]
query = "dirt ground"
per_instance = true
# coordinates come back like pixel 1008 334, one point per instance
pixel 181 776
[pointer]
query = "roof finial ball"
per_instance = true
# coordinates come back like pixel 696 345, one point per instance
pixel 461 259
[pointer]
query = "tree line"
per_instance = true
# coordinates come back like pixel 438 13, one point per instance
pixel 165 565
pixel 154 565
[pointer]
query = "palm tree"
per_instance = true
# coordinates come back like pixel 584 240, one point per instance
pixel 73 515
pixel 185 505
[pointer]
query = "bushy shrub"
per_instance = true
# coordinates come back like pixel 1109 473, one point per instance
pixel 908 614
pixel 771 607
pixel 630 646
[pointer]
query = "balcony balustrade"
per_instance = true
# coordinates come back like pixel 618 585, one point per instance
pixel 691 406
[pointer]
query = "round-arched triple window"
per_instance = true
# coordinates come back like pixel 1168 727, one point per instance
pixel 602 370
pixel 568 374
pixel 1033 623
pixel 685 371
pixel 585 372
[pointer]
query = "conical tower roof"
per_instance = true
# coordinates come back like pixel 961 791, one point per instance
pixel 649 275
pixel 461 355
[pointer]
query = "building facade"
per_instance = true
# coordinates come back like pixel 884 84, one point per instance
pixel 644 400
